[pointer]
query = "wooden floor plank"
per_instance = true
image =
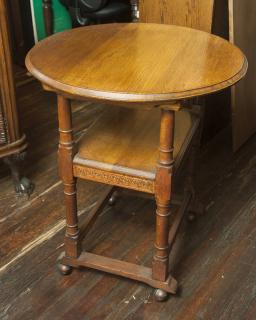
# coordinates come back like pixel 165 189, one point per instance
pixel 39 119
pixel 213 258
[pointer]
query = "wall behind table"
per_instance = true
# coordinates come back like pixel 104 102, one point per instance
pixel 235 20
pixel 62 20
pixel 218 105
pixel 243 34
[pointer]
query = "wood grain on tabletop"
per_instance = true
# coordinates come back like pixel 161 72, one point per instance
pixel 136 62
pixel 214 257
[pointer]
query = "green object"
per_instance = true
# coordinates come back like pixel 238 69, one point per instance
pixel 62 20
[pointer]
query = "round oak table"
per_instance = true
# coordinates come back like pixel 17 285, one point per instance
pixel 150 68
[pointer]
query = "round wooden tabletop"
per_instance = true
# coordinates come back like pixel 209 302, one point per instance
pixel 136 62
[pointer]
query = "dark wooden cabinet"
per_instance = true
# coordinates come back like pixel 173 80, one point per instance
pixel 21 29
pixel 12 141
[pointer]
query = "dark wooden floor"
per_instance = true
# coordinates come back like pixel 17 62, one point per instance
pixel 214 258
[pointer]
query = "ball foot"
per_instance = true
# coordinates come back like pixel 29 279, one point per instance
pixel 64 269
pixel 160 295
pixel 113 199
pixel 191 216
pixel 24 187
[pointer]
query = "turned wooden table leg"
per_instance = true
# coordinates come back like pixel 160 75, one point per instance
pixel 66 152
pixel 48 17
pixel 160 267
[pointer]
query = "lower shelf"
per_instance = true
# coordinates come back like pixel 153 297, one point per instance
pixel 121 147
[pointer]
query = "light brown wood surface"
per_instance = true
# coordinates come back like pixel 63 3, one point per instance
pixel 190 13
pixel 131 63
pixel 136 63
pixel 35 224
